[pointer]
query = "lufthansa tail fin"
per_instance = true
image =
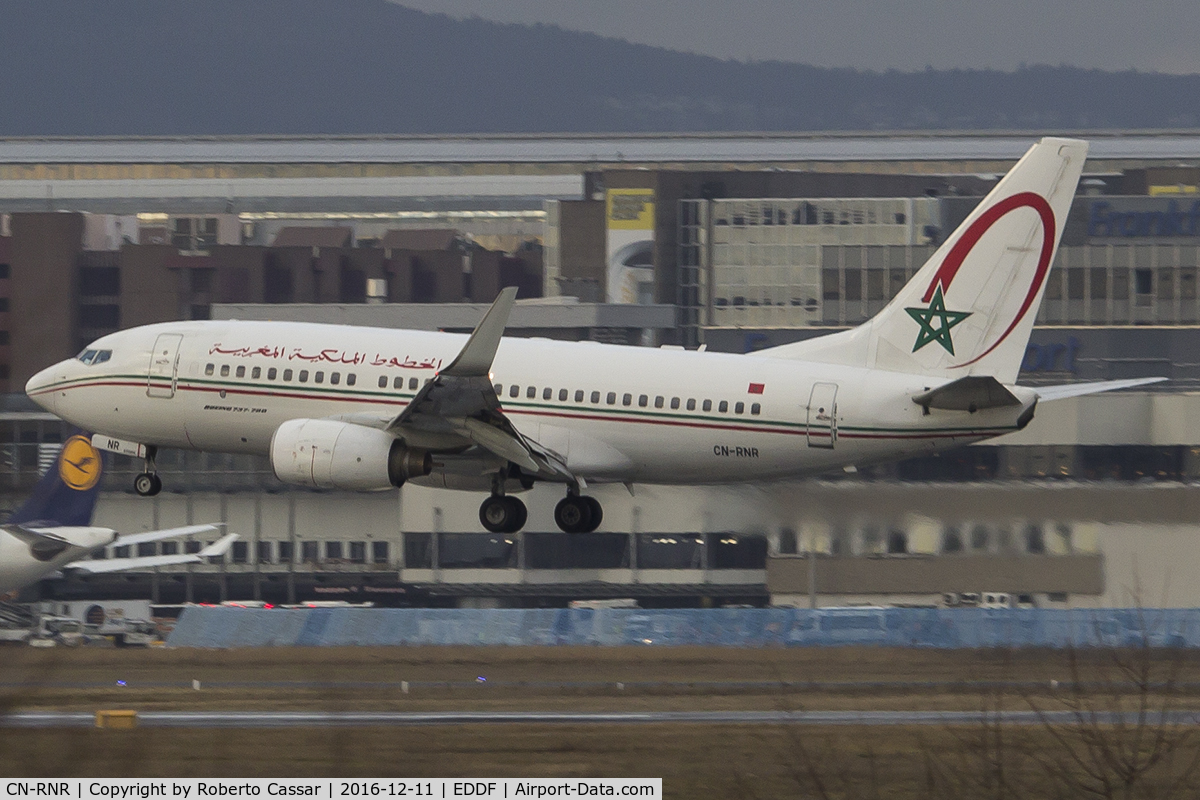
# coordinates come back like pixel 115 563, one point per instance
pixel 66 494
pixel 969 310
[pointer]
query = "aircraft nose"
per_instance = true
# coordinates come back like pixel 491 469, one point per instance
pixel 39 388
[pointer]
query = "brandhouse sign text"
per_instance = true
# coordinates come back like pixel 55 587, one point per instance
pixel 1172 218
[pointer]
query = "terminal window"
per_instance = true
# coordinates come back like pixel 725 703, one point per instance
pixel 379 552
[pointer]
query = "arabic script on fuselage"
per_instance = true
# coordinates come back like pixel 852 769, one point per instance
pixel 328 355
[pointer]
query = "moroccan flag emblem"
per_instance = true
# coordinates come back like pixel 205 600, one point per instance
pixel 946 320
pixel 757 388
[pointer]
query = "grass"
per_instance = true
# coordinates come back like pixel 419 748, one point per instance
pixel 695 761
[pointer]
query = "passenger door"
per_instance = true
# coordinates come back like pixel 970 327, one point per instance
pixel 164 366
pixel 822 416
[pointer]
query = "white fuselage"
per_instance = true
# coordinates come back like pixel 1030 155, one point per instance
pixel 615 413
pixel 20 567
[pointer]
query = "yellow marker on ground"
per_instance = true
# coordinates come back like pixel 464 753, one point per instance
pixel 117 719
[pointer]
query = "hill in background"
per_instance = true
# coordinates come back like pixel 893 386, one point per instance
pixel 147 67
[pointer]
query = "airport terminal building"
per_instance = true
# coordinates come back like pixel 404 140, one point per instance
pixel 732 243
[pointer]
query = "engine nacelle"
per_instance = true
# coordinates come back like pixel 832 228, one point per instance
pixel 326 454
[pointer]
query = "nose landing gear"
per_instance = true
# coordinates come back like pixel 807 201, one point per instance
pixel 148 484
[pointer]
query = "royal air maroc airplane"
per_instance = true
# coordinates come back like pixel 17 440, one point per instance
pixel 367 408
pixel 53 531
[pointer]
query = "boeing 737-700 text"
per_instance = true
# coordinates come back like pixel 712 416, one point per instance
pixel 368 408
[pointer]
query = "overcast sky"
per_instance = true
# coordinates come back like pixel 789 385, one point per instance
pixel 1148 35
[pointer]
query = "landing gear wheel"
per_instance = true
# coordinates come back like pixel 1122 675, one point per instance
pixel 573 514
pixel 502 514
pixel 147 484
pixel 597 514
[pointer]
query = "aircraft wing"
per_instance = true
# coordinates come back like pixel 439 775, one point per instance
pixel 100 565
pixel 461 401
pixel 168 533
pixel 1065 390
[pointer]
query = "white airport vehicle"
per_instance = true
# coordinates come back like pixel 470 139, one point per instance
pixel 53 530
pixel 369 409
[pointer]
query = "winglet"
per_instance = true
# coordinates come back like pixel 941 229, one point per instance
pixel 477 355
pixel 219 547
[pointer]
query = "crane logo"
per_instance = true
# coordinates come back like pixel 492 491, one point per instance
pixel 79 464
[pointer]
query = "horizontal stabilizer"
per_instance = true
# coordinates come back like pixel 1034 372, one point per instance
pixel 1065 390
pixel 968 394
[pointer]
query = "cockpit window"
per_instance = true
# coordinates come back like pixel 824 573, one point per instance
pixel 91 357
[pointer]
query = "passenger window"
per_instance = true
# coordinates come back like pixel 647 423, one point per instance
pixel 383 381
pixel 755 409
pixel 319 377
pixel 271 373
pixel 514 391
pixel 643 401
pixel 579 395
pixel 256 373
pixel 706 406
pixel 304 376
pixel 547 393
pixel 397 382
pixel 351 379
pixel 691 406
pixel 241 372
pixel 208 369
pixel 675 402
pixel 627 400
pixel 287 374
pixel 224 370
pixel 562 395
pixel 723 407
pixel 595 397
pixel 498 389
pixel 611 399
pixel 412 384
pixel 658 401
pixel 531 392
pixel 739 408
pixel 335 378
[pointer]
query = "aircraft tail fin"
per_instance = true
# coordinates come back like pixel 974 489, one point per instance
pixel 970 309
pixel 66 494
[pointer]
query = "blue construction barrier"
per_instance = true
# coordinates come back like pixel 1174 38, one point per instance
pixel 757 627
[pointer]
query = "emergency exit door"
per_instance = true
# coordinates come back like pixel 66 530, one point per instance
pixel 164 366
pixel 822 416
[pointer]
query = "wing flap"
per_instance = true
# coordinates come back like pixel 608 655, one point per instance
pixel 461 403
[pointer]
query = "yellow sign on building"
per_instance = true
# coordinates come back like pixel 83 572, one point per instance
pixel 631 209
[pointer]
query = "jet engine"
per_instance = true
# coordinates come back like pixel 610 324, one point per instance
pixel 326 454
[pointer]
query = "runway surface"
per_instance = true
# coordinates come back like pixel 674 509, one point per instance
pixel 285 719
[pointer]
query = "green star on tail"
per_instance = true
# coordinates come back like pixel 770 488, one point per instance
pixel 925 317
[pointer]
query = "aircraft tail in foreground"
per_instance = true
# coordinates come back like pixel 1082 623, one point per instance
pixel 66 494
pixel 970 309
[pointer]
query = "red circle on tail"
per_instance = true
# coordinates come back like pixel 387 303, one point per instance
pixel 971 237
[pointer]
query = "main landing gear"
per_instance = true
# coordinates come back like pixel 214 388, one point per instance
pixel 147 483
pixel 501 513
pixel 576 513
